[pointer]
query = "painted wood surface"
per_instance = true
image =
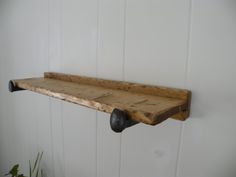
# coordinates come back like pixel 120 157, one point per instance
pixel 78 56
pixel 158 32
pixel 110 52
pixel 209 133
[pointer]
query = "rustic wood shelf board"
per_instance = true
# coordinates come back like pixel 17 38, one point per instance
pixel 142 103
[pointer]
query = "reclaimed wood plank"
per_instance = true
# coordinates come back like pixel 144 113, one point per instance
pixel 143 103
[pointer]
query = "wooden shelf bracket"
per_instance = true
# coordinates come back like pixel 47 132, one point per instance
pixel 128 103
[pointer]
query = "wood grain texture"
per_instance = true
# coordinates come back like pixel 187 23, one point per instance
pixel 147 104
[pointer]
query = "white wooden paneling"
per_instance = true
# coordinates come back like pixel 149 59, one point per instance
pixel 57 138
pixel 108 148
pixel 111 39
pixel 7 136
pixel 109 66
pixel 24 115
pixel 143 41
pixel 79 46
pixel 79 142
pixel 209 145
pixel 79 36
pixel 55 34
pixel 156 41
pixel 156 53
pixel 55 47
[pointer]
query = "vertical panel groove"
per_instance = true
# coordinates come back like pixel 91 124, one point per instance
pixel 49 8
pixel 49 99
pixel 124 40
pixel 51 134
pixel 96 143
pixel 54 63
pixel 180 145
pixel 63 139
pixel 109 66
pixel 123 77
pixel 120 153
pixel 60 68
pixel 96 118
pixel 188 41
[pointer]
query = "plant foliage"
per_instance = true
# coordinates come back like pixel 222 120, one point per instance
pixel 34 169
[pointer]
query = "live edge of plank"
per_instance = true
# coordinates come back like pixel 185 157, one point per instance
pixel 179 112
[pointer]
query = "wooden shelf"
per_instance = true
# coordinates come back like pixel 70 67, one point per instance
pixel 128 102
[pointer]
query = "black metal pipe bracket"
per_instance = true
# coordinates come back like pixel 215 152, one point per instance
pixel 12 87
pixel 119 121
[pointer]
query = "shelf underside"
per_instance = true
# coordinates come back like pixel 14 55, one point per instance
pixel 147 104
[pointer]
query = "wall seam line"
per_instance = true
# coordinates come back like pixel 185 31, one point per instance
pixel 96 117
pixel 124 40
pixel 123 76
pixel 180 145
pixel 60 68
pixel 50 100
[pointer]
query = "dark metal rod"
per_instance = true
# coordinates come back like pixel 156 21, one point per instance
pixel 119 121
pixel 12 87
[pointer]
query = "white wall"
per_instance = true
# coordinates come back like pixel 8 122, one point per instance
pixel 186 44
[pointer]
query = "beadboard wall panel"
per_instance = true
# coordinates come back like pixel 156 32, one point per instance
pixel 79 140
pixel 55 55
pixel 25 121
pixel 79 36
pixel 78 47
pixel 209 143
pixel 110 53
pixel 153 29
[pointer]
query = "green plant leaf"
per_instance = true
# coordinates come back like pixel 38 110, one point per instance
pixel 30 169
pixel 37 173
pixel 13 171
pixel 36 161
pixel 42 173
